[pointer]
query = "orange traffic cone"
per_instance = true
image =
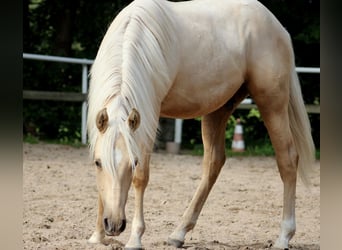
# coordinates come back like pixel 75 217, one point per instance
pixel 238 145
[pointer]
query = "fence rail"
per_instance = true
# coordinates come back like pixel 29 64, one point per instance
pixel 61 59
pixel 82 97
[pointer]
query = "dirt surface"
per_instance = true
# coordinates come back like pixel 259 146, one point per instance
pixel 243 210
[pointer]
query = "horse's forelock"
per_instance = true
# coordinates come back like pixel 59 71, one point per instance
pixel 116 126
pixel 107 148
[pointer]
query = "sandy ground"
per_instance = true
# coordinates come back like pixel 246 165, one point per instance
pixel 243 210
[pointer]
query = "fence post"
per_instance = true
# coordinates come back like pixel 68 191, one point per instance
pixel 178 130
pixel 84 103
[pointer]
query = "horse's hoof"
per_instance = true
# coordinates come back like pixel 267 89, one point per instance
pixel 175 243
pixel 95 238
pixel 133 248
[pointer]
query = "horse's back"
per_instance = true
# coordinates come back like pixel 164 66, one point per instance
pixel 234 24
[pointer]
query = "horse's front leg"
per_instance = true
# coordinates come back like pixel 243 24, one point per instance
pixel 140 180
pixel 99 234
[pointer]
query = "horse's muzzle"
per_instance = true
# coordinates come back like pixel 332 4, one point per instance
pixel 113 229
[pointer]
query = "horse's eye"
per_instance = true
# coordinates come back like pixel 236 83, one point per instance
pixel 98 164
pixel 136 162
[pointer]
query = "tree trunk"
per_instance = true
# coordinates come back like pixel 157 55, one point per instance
pixel 65 18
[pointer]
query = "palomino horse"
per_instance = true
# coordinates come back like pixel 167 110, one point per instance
pixel 184 60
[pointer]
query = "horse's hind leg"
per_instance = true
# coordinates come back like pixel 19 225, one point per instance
pixel 273 105
pixel 287 160
pixel 213 135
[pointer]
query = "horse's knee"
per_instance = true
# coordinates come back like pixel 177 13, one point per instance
pixel 139 182
pixel 141 176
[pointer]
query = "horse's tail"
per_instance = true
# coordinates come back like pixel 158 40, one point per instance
pixel 301 129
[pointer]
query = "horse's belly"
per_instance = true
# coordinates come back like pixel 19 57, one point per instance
pixel 190 102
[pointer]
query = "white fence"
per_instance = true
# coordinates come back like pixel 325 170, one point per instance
pixel 62 96
pixel 85 63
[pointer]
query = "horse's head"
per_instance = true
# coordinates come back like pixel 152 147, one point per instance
pixel 114 171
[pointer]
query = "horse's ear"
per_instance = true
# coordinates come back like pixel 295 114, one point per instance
pixel 133 120
pixel 102 120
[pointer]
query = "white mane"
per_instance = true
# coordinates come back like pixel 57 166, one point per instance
pixel 131 71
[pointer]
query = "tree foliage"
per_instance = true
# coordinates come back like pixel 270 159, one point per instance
pixel 75 29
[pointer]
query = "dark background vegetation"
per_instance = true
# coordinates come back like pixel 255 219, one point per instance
pixel 76 28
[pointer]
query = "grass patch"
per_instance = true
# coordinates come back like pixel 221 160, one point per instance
pixel 31 139
pixel 318 154
pixel 264 149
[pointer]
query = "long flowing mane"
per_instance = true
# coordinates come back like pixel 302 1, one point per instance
pixel 131 70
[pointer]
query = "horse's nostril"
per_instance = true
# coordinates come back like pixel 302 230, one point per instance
pixel 122 226
pixel 112 229
pixel 106 225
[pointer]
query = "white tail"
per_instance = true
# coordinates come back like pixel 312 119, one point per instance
pixel 301 130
